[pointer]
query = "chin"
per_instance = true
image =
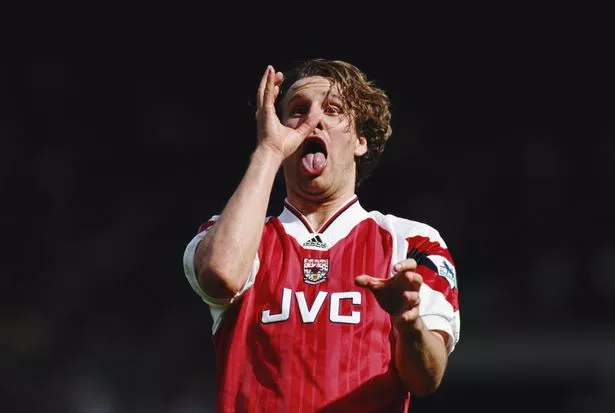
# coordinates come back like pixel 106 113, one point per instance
pixel 313 188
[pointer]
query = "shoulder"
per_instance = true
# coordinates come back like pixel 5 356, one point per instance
pixel 406 228
pixel 207 225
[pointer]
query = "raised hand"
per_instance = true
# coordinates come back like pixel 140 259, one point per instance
pixel 270 131
pixel 399 294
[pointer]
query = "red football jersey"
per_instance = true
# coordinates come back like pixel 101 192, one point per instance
pixel 301 336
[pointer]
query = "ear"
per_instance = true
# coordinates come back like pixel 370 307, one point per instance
pixel 360 146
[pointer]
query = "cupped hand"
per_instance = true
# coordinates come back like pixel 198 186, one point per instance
pixel 399 294
pixel 270 131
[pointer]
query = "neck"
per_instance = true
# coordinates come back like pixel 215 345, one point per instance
pixel 317 212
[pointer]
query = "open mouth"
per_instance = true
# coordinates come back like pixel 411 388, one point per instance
pixel 314 145
pixel 314 156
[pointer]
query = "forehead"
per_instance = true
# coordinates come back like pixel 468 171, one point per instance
pixel 313 88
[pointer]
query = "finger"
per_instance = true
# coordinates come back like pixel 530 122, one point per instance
pixel 279 78
pixel 268 97
pixel 411 299
pixel 371 283
pixel 407 318
pixel 409 280
pixel 405 265
pixel 261 88
pixel 276 92
pixel 307 127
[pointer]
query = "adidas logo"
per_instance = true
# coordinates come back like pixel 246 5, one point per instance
pixel 315 241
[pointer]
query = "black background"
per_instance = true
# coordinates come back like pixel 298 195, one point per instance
pixel 119 138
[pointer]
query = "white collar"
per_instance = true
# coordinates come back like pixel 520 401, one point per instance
pixel 335 228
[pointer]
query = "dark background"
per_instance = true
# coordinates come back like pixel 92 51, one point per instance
pixel 116 145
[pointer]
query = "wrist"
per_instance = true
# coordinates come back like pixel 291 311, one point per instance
pixel 409 329
pixel 267 154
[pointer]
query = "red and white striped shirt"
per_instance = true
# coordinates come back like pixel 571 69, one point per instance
pixel 301 336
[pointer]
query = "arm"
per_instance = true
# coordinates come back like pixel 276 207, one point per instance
pixel 224 257
pixel 420 357
pixel 420 354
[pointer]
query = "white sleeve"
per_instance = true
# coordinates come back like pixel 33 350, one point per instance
pixel 217 305
pixel 438 314
pixel 436 306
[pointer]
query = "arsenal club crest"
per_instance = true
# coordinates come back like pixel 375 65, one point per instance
pixel 315 270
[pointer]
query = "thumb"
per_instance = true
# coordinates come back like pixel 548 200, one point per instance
pixel 369 282
pixel 307 127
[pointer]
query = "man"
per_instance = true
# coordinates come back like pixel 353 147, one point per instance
pixel 326 307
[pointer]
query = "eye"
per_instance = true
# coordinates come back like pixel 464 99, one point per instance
pixel 298 110
pixel 333 109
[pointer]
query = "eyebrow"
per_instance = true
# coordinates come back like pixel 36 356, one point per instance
pixel 292 99
pixel 330 95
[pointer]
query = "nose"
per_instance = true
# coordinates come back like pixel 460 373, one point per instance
pixel 317 111
pixel 321 123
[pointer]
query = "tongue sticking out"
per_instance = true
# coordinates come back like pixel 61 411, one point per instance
pixel 314 163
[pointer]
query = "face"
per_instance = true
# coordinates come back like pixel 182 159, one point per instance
pixel 324 165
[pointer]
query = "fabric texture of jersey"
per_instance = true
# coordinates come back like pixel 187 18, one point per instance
pixel 301 336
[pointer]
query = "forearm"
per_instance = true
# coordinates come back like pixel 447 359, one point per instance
pixel 421 358
pixel 224 258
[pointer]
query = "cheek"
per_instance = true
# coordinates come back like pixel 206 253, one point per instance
pixel 343 141
pixel 342 151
